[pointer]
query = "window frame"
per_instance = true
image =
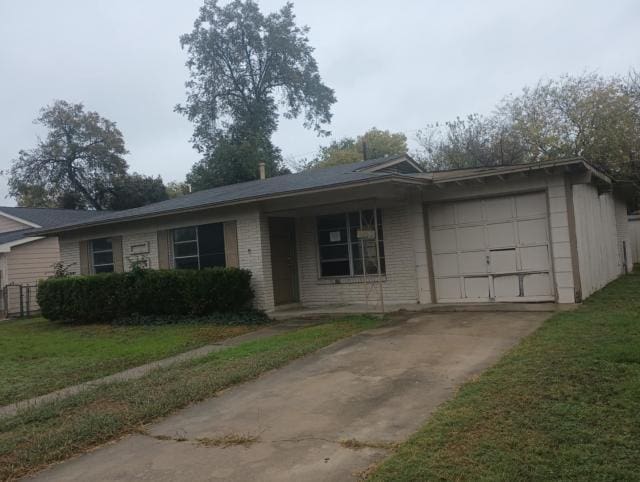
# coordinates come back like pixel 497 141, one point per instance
pixel 380 260
pixel 100 251
pixel 196 228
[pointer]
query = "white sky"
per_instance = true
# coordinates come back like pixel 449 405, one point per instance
pixel 396 65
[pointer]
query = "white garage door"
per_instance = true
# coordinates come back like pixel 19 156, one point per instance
pixel 494 249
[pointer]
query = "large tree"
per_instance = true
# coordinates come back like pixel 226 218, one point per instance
pixel 82 153
pixel 79 165
pixel 372 144
pixel 134 190
pixel 589 116
pixel 245 69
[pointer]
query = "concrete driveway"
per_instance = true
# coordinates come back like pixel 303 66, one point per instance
pixel 377 388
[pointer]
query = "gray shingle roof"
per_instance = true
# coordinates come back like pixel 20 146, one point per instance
pixel 49 218
pixel 14 235
pixel 290 183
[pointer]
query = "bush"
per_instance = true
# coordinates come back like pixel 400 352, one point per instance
pixel 111 296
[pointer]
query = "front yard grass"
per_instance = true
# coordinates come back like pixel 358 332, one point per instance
pixel 38 356
pixel 57 430
pixel 563 405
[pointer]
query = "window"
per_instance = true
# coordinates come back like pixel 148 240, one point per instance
pixel 342 253
pixel 102 255
pixel 198 247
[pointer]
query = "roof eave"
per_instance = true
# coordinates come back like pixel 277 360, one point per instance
pixel 349 184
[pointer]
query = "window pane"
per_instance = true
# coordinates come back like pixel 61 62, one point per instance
pixel 185 234
pixel 211 239
pixel 105 257
pixel 332 221
pixel 108 268
pixel 212 260
pixel 187 263
pixel 370 265
pixel 340 251
pixel 354 220
pixel 335 268
pixel 331 237
pixel 185 249
pixel 103 244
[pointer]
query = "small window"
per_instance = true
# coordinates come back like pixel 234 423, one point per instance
pixel 102 255
pixel 342 253
pixel 198 247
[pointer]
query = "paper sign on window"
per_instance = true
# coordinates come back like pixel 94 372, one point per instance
pixel 334 236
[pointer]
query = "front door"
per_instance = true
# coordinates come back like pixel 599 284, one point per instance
pixel 284 269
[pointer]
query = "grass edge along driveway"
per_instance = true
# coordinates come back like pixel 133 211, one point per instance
pixel 563 405
pixel 38 356
pixel 58 430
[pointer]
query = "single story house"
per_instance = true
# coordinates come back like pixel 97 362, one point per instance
pixel 24 257
pixel 545 232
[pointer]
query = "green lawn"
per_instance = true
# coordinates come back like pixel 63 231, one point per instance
pixel 563 405
pixel 38 356
pixel 58 430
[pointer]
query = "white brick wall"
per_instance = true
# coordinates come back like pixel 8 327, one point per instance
pixel 135 240
pixel 399 283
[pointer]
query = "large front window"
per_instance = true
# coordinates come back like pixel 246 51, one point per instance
pixel 351 244
pixel 102 255
pixel 198 247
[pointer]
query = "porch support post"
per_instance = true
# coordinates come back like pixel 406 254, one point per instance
pixel 420 244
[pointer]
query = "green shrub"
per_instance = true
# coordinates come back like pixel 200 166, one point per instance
pixel 107 297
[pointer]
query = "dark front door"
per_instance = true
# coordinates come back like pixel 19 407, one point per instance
pixel 282 235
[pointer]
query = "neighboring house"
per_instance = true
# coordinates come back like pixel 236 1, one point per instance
pixel 553 231
pixel 634 229
pixel 24 257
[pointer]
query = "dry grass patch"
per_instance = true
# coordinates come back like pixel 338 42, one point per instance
pixel 228 440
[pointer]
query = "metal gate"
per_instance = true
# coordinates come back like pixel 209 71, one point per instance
pixel 20 300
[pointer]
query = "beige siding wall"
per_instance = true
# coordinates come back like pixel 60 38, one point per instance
pixel 554 186
pixel 400 282
pixel 596 236
pixel 634 237
pixel 253 243
pixel 7 225
pixel 28 263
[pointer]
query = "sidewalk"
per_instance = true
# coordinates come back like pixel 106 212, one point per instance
pixel 142 370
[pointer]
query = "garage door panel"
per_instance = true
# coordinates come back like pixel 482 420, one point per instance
pixel 442 215
pixel 445 264
pixel 468 212
pixel 506 286
pixel 470 238
pixel 477 288
pixel 501 235
pixel 534 258
pixel 533 231
pixel 448 288
pixel 531 205
pixel 504 261
pixel 474 262
pixel 443 240
pixel 499 208
pixel 537 284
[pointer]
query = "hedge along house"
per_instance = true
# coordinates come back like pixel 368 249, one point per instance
pixel 547 232
pixel 26 258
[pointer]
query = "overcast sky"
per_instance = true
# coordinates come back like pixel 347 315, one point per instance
pixel 396 65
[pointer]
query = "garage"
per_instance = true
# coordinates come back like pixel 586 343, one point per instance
pixel 492 249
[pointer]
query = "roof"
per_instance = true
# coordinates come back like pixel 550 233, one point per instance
pixel 345 174
pixel 400 168
pixel 49 217
pixel 14 235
